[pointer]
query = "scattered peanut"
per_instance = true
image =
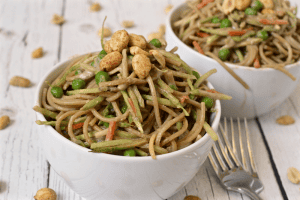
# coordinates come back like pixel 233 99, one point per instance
pixel 190 197
pixel 106 32
pixel 19 81
pixel 4 121
pixel 57 19
pixel 242 4
pixel 38 53
pixel 267 11
pixel 107 47
pixel 137 50
pixel 141 65
pixel 159 57
pixel 45 194
pixel 268 3
pixel 156 35
pixel 293 175
pixel 127 24
pixel 137 40
pixel 228 6
pixel 95 7
pixel 285 120
pixel 119 40
pixel 162 29
pixel 111 61
pixel 168 8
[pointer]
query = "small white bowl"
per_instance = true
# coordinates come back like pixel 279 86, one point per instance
pixel 268 87
pixel 104 176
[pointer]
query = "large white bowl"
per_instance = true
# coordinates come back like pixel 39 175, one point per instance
pixel 268 87
pixel 104 176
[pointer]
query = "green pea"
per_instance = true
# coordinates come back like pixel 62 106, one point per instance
pixel 215 20
pixel 257 5
pixel 102 76
pixel 250 11
pixel 130 57
pixel 262 34
pixel 225 23
pixel 155 42
pixel 92 63
pixel 106 124
pixel 124 108
pixel 191 96
pixel 173 87
pixel 57 92
pixel 78 72
pixel 102 54
pixel 78 84
pixel 196 74
pixel 130 152
pixel 209 102
pixel 224 54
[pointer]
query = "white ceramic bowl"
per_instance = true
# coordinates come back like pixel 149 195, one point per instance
pixel 104 176
pixel 268 87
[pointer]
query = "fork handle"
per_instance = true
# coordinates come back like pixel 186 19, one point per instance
pixel 251 194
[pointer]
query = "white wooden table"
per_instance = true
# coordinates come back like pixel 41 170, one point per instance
pixel 25 26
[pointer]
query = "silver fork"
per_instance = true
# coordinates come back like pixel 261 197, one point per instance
pixel 234 175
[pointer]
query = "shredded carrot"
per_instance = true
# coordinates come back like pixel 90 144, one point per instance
pixel 204 3
pixel 256 63
pixel 271 22
pixel 202 34
pixel 249 29
pixel 77 126
pixel 212 91
pixel 183 98
pixel 237 33
pixel 132 105
pixel 197 46
pixel 111 131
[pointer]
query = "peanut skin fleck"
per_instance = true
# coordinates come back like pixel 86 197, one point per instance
pixel 119 40
pixel 137 40
pixel 111 61
pixel 19 81
pixel 4 121
pixel 141 65
pixel 137 50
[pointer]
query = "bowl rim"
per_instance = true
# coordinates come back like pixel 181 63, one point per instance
pixel 205 139
pixel 169 29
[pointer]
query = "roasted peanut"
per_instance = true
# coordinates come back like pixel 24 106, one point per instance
pixel 190 197
pixel 4 121
pixel 57 19
pixel 127 24
pixel 269 4
pixel 159 57
pixel 242 4
pixel 107 47
pixel 141 65
pixel 19 81
pixel 168 8
pixel 228 6
pixel 45 194
pixel 38 53
pixel 293 175
pixel 285 120
pixel 111 61
pixel 267 11
pixel 95 7
pixel 137 50
pixel 137 40
pixel 156 35
pixel 162 29
pixel 119 40
pixel 106 32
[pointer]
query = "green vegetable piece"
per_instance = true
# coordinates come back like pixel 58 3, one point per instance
pixel 262 34
pixel 78 72
pixel 250 11
pixel 209 102
pixel 124 108
pixel 129 152
pixel 192 96
pixel 225 23
pixel 215 20
pixel 57 92
pixel 155 42
pixel 78 84
pixel 130 57
pixel 173 87
pixel 106 124
pixel 224 54
pixel 92 63
pixel 194 114
pixel 102 54
pixel 102 76
pixel 196 74
pixel 257 5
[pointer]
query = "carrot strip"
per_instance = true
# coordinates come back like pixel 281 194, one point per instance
pixel 111 131
pixel 256 63
pixel 237 33
pixel 197 46
pixel 204 3
pixel 132 105
pixel 212 91
pixel 77 126
pixel 202 34
pixel 183 98
pixel 271 22
pixel 249 29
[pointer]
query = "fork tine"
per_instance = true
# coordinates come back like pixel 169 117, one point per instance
pixel 219 158
pixel 242 146
pixel 225 152
pixel 233 138
pixel 250 147
pixel 214 163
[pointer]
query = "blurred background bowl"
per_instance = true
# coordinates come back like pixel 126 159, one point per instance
pixel 105 176
pixel 268 87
